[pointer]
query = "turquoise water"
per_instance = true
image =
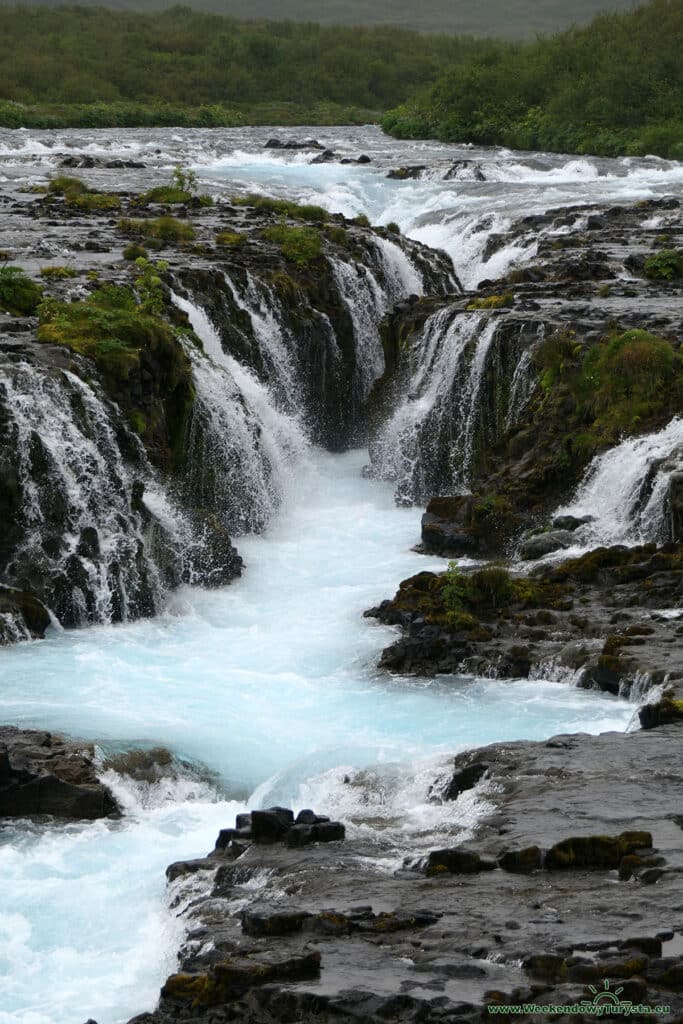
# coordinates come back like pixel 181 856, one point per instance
pixel 271 683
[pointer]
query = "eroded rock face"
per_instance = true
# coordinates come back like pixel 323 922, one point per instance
pixel 43 774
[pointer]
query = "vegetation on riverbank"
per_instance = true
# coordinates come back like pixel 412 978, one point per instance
pixel 614 87
pixel 91 67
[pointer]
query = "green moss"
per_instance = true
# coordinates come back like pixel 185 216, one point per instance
pixel 134 251
pixel 169 194
pixel 230 239
pixel 665 265
pixel 492 302
pixel 337 234
pixel 19 295
pixel 57 273
pixel 298 245
pixel 63 185
pixel 284 208
pixel 165 230
pixel 94 201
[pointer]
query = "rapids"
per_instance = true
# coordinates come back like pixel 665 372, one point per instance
pixel 271 682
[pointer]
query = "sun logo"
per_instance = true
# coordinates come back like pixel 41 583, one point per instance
pixel 605 996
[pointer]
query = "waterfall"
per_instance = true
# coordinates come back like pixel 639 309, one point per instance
pixel 367 303
pixel 241 447
pixel 625 489
pixel 402 276
pixel 427 443
pixel 84 543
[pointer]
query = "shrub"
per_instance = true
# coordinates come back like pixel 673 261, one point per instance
pixel 163 229
pixel 665 265
pixel 299 245
pixel 57 273
pixel 362 221
pixel 284 208
pixel 134 251
pixel 393 228
pixel 93 201
pixel 19 295
pixel 491 588
pixel 64 185
pixel 337 234
pixel 168 194
pixel 492 302
pixel 230 238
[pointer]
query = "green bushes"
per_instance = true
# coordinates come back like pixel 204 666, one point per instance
pixel 492 302
pixel 134 251
pixel 666 265
pixel 230 239
pixel 19 295
pixel 298 245
pixel 284 208
pixel 627 382
pixel 161 230
pixel 57 273
pixel 109 327
pixel 614 87
pixel 77 195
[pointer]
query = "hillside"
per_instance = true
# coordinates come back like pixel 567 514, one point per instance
pixel 514 19
pixel 614 87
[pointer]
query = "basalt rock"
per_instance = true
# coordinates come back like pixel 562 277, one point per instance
pixel 43 774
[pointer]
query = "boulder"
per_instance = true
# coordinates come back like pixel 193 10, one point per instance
pixel 596 851
pixel 447 524
pixel 545 543
pixel 570 523
pixel 271 825
pixel 44 774
pixel 405 173
pixel 456 861
pixel 464 779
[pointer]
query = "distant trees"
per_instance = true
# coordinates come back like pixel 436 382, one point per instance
pixel 614 87
pixel 182 66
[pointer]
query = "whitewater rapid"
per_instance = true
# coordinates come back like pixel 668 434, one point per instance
pixel 272 684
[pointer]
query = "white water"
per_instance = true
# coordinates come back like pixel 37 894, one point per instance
pixel 271 682
pixel 624 489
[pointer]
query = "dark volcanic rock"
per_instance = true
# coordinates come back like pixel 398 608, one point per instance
pixel 43 774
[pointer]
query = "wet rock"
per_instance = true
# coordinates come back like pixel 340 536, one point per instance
pixel 21 611
pixel 293 144
pixel 229 978
pixel 570 523
pixel 43 774
pixel 595 851
pixel 674 507
pixel 180 868
pixel 262 923
pixel 521 861
pixel 447 525
pixel 271 825
pixel 327 156
pixel 412 171
pixel 457 861
pixel 464 779
pixel 464 170
pixel 545 543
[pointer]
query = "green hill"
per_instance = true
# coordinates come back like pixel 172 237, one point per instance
pixel 514 19
pixel 613 87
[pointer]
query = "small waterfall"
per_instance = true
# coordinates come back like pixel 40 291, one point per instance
pixel 402 276
pixel 430 436
pixel 523 383
pixel 367 303
pixel 241 446
pixel 625 489
pixel 84 543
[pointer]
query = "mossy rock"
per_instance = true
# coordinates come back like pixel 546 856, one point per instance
pixel 19 295
pixel 596 851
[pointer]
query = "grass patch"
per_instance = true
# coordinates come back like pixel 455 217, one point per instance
pixel 665 265
pixel 492 302
pixel 134 251
pixel 57 273
pixel 19 295
pixel 284 208
pixel 163 230
pixel 230 239
pixel 298 245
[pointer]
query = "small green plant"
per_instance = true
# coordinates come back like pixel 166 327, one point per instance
pixel 19 295
pixel 149 285
pixel 492 302
pixel 57 273
pixel 164 230
pixel 337 234
pixel 184 179
pixel 93 201
pixel 298 245
pixel 134 251
pixel 665 265
pixel 393 228
pixel 230 239
pixel 491 588
pixel 64 185
pixel 361 221
pixel 168 194
pixel 284 208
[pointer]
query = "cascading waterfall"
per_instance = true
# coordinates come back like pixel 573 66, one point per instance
pixel 625 489
pixel 447 366
pixel 81 524
pixel 367 304
pixel 241 446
